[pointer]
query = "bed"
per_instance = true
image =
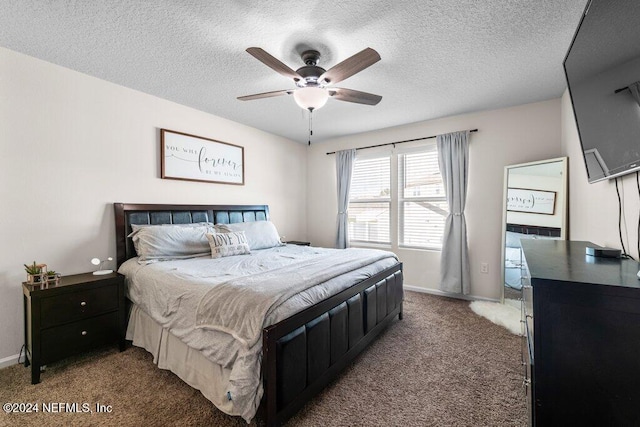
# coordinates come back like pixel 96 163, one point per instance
pixel 301 347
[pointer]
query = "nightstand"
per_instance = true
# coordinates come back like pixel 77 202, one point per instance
pixel 297 242
pixel 80 313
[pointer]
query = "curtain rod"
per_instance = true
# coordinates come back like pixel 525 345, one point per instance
pixel 399 142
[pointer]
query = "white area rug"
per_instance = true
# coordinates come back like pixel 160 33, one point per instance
pixel 507 314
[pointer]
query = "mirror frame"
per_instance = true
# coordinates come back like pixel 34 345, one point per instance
pixel 564 231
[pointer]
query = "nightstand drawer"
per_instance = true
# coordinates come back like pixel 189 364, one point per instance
pixel 73 306
pixel 62 341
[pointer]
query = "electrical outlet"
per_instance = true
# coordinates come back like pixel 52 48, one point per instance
pixel 484 268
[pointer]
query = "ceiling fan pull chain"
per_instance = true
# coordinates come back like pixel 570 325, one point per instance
pixel 310 124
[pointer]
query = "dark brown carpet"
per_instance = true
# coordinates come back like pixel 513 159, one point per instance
pixel 440 366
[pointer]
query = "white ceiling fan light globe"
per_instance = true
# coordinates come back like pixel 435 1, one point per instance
pixel 311 97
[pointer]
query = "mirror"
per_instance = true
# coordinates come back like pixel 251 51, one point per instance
pixel 535 207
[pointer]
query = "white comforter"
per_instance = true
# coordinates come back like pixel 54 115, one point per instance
pixel 171 292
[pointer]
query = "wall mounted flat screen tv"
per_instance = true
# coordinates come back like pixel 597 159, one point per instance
pixel 602 68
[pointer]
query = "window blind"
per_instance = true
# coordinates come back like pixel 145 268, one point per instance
pixel 422 202
pixel 418 193
pixel 370 200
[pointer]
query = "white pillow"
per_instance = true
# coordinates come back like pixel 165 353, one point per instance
pixel 165 242
pixel 137 227
pixel 260 234
pixel 228 244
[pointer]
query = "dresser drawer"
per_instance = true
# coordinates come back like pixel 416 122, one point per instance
pixel 62 341
pixel 79 305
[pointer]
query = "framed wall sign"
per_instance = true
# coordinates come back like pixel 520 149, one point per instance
pixel 531 201
pixel 195 158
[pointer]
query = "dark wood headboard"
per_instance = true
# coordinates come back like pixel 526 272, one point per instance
pixel 127 214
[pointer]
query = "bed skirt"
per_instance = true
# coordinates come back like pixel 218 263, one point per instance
pixel 188 364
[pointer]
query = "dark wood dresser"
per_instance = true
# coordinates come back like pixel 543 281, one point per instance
pixel 80 313
pixel 582 321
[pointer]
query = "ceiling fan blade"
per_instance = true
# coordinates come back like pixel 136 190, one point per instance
pixel 350 66
pixel 272 62
pixel 350 95
pixel 265 95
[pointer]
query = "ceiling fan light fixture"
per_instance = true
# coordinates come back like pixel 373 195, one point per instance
pixel 311 98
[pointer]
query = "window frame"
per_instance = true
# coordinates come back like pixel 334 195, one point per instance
pixel 388 200
pixel 396 199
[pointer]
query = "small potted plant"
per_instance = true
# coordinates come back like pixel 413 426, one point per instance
pixel 34 273
pixel 52 276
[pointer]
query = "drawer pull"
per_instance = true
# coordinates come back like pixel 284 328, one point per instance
pixel 84 333
pixel 83 303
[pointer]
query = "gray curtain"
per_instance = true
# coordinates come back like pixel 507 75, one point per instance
pixel 634 88
pixel 453 158
pixel 344 169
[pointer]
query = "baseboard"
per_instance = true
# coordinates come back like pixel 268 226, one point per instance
pixel 440 293
pixel 10 360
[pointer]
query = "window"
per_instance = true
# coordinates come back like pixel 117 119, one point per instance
pixel 422 204
pixel 370 200
pixel 403 191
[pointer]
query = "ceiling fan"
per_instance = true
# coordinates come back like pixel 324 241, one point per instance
pixel 314 82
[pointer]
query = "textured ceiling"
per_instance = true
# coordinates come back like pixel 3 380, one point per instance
pixel 439 58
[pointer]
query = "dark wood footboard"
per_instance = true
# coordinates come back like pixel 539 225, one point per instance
pixel 303 353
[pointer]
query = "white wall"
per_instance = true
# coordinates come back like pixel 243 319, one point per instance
pixel 507 136
pixel 593 208
pixel 71 145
